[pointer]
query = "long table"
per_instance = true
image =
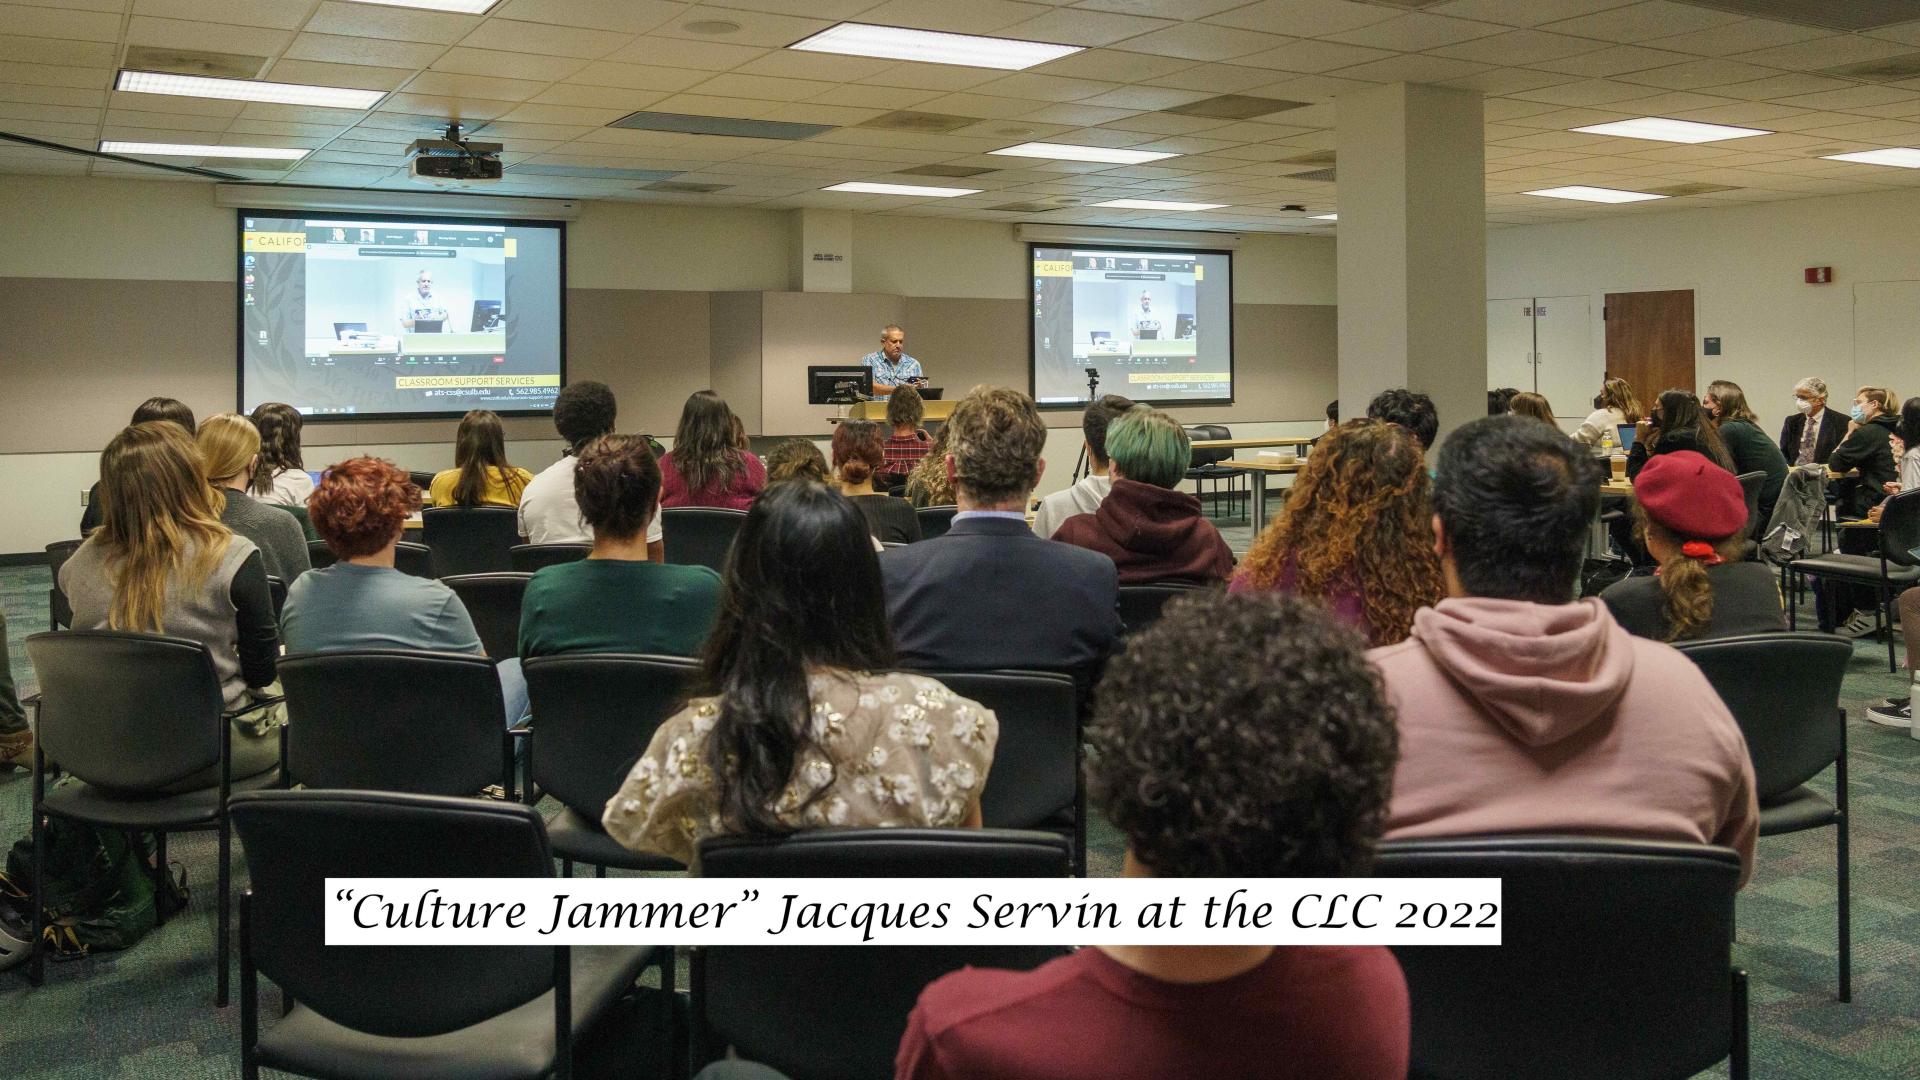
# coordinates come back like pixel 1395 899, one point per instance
pixel 1260 469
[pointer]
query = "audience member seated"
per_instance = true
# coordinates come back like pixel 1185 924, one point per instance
pixel 1677 423
pixel 154 408
pixel 1813 430
pixel 615 600
pixel 361 601
pixel 907 442
pixel 1294 782
pixel 1356 534
pixel 705 468
pixel 1525 711
pixel 1333 414
pixel 549 514
pixel 1616 405
pixel 229 448
pixel 480 475
pixel 929 484
pixel 1897 711
pixel 989 593
pixel 16 737
pixel 1412 411
pixel 797 459
pixel 1848 609
pixel 800 722
pixel 1085 494
pixel 161 563
pixel 858 455
pixel 1532 406
pixel 1149 528
pixel 1694 517
pixel 1747 445
pixel 280 477
pixel 1500 401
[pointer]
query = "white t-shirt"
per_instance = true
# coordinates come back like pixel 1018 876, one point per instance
pixel 291 487
pixel 1598 426
pixel 432 308
pixel 1082 498
pixel 550 513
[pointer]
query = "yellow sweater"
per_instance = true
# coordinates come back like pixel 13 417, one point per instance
pixel 502 489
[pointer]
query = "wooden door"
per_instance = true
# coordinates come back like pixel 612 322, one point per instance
pixel 1650 341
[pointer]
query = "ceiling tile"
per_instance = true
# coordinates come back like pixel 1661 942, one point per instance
pixel 1077 26
pixel 702 105
pixel 815 9
pixel 1523 12
pixel 1148 97
pixel 69 24
pixel 1310 57
pixel 1412 68
pixel 684 53
pixel 1076 114
pixel 1200 41
pixel 1290 16
pixel 95 78
pixel 1169 9
pixel 391 23
pixel 972 17
pixel 569 115
pixel 1585 92
pixel 1215 78
pixel 599 97
pixel 1699 74
pixel 1643 21
pixel 52 95
pixel 756 28
pixel 875 97
pixel 825 67
pixel 507 65
pixel 982 105
pixel 215 37
pixel 1045 87
pixel 636 76
pixel 522 37
pixel 620 16
pixel 734 84
pixel 39 51
pixel 1501 81
pixel 1618 60
pixel 932 76
pixel 1825 52
pixel 1416 32
pixel 340 49
pixel 359 77
pixel 1779 86
pixel 1848 99
pixel 1519 47
pixel 1740 37
pixel 452 84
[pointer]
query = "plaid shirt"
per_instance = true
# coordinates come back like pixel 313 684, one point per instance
pixel 903 453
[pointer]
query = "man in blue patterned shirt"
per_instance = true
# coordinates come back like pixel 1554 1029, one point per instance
pixel 891 366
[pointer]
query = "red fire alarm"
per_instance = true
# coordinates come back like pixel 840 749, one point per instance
pixel 1819 275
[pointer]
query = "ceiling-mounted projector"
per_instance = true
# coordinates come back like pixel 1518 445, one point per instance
pixel 452 161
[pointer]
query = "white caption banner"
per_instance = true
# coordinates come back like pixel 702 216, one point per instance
pixel 913 911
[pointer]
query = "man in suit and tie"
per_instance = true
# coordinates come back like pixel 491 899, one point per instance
pixel 1810 434
pixel 990 593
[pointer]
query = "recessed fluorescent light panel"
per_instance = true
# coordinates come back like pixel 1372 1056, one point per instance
pixel 464 7
pixel 1157 204
pixel 329 97
pixel 1326 217
pixel 904 189
pixel 933 47
pixel 1069 152
pixel 1660 129
pixel 149 149
pixel 1900 157
pixel 1583 193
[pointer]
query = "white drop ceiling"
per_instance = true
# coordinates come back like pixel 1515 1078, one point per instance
pixel 545 77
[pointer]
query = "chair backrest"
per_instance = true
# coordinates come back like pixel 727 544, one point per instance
pixel 593 716
pixel 300 515
pixel 1035 777
pixel 320 555
pixel 493 601
pixel 295 840
pixel 700 535
pixel 470 539
pixel 1783 689
pixel 1585 985
pixel 527 558
pixel 421 480
pixel 408 557
pixel 1204 456
pixel 1140 605
pixel 836 1013
pixel 389 720
pixel 1750 485
pixel 277 592
pixel 935 520
pixel 130 712
pixel 1900 528
pixel 59 611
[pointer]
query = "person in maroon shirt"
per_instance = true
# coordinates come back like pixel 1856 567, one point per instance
pixel 707 466
pixel 1274 759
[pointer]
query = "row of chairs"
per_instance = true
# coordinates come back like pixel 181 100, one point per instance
pixel 1892 569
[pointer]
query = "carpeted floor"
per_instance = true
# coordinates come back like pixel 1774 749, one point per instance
pixel 147 1012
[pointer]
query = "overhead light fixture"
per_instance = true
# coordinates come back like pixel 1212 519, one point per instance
pixel 1325 217
pixel 1900 157
pixel 904 189
pixel 328 97
pixel 933 47
pixel 1661 129
pixel 1070 152
pixel 1583 193
pixel 1158 204
pixel 464 7
pixel 153 149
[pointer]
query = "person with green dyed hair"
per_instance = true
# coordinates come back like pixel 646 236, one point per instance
pixel 1149 528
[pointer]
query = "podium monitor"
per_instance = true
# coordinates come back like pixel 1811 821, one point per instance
pixel 838 384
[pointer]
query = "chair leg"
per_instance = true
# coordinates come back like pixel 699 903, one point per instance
pixel 566 867
pixel 1885 616
pixel 159 873
pixel 669 1010
pixel 36 969
pixel 1792 583
pixel 249 998
pixel 599 871
pixel 1843 879
pixel 225 904
pixel 1737 1056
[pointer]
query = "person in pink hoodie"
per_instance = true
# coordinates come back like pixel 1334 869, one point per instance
pixel 1523 710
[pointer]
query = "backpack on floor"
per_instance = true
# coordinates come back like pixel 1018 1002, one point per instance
pixel 99 892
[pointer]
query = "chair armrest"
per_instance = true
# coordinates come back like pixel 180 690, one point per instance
pixel 256 706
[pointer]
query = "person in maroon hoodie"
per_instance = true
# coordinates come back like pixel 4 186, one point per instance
pixel 1149 528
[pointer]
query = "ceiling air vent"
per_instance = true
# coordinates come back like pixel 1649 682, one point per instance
pixel 923 123
pixel 1324 176
pixel 720 125
pixel 1827 14
pixel 1322 158
pixel 1885 69
pixel 1675 191
pixel 1235 107
pixel 1027 207
pixel 681 187
pixel 943 170
pixel 215 65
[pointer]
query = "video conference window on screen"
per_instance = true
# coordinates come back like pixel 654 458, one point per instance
pixel 363 317
pixel 1155 326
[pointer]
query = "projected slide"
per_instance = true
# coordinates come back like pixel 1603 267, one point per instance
pixel 1155 325
pixel 351 317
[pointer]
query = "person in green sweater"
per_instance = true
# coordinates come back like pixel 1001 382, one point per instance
pixel 1752 449
pixel 614 600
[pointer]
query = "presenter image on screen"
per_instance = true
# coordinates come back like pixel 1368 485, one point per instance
pixel 1146 327
pixel 890 364
pixel 421 312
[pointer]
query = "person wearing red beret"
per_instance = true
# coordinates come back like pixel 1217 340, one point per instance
pixel 1694 518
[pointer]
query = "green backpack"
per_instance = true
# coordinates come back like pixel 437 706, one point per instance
pixel 99 892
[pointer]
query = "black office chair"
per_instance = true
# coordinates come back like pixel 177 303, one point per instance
pixel 1205 466
pixel 1750 485
pixel 389 720
pixel 421 480
pixel 1140 605
pixel 427 1010
pixel 131 718
pixel 1036 779
pixel 935 520
pixel 408 557
pixel 837 1013
pixel 593 716
pixel 277 593
pixel 470 539
pixel 493 602
pixel 527 558
pixel 1615 961
pixel 1784 690
pixel 1893 570
pixel 59 612
pixel 700 535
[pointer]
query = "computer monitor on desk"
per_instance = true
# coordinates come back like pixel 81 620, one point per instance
pixel 838 384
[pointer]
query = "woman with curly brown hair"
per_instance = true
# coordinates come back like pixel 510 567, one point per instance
pixel 928 484
pixel 1357 533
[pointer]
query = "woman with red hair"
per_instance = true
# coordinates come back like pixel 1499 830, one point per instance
pixel 859 453
pixel 362 601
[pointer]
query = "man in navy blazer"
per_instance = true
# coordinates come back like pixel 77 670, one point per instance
pixel 990 593
pixel 1810 395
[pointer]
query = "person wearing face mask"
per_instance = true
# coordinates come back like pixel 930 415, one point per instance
pixel 1812 430
pixel 1848 609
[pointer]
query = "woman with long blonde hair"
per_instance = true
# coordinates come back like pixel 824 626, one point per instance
pixel 1616 405
pixel 1356 534
pixel 229 453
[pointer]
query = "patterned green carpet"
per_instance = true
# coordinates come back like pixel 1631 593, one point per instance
pixel 147 1013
